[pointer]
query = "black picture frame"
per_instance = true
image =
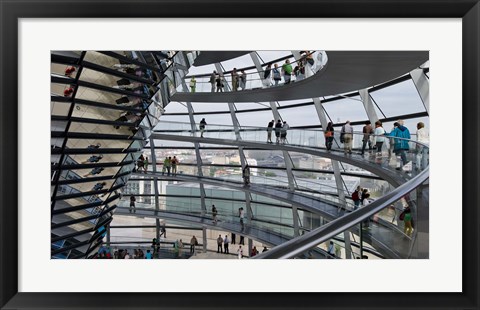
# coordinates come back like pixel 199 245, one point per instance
pixel 11 11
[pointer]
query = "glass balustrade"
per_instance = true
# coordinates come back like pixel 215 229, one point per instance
pixel 265 231
pixel 255 80
pixel 416 157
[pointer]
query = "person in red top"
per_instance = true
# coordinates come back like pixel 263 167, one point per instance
pixel 69 71
pixel 68 91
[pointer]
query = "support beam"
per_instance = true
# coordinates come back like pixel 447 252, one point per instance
pixel 423 87
pixel 197 151
pixel 368 105
pixel 337 174
pixel 204 238
pixel 108 236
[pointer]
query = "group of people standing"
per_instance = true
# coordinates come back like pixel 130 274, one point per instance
pixel 217 81
pixel 302 69
pixel 142 164
pixel 170 165
pixel 280 131
pixel 375 138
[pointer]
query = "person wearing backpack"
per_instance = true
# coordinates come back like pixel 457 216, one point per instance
pixel 356 197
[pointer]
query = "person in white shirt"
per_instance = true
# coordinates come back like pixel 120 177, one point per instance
pixel 379 137
pixel 283 132
pixel 241 214
pixel 240 252
pixel 422 151
pixel 347 132
pixel 366 202
pixel 225 245
pixel 331 249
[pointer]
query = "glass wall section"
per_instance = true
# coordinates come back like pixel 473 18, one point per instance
pixel 301 116
pixel 342 110
pixel 399 98
pixel 268 56
pixel 267 158
pixel 201 107
pixel 255 119
pixel 176 107
pixel 215 119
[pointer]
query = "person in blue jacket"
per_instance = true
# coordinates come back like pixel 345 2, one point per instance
pixel 400 145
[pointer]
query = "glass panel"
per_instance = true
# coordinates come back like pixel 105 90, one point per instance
pixel 399 99
pixel 342 110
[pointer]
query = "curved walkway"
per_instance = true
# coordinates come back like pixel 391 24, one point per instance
pixel 380 168
pixel 260 234
pixel 325 208
pixel 380 236
pixel 345 71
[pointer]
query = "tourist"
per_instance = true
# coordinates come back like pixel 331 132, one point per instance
pixel 366 202
pixel 219 81
pixel 287 71
pixel 242 240
pixel 379 138
pixel 214 214
pixel 234 237
pixel 241 215
pixel 329 131
pixel 132 204
pixel 193 84
pixel 367 132
pixel 401 145
pixel 193 243
pixel 266 76
pixel 219 244
pixel 269 131
pixel 331 250
pixel 174 164
pixel 225 245
pixel 140 163
pixel 246 175
pixel 243 80
pixel 234 79
pixel 422 151
pixel 276 75
pixel 240 252
pixel 283 132
pixel 356 197
pixel 213 79
pixel 166 165
pixel 145 164
pixel 406 216
pixel 203 123
pixel 148 255
pixel 278 129
pixel 264 249
pixel 347 137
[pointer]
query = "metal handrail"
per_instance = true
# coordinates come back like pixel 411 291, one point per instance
pixel 310 240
